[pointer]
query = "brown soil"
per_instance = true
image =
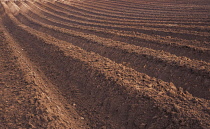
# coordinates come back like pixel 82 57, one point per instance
pixel 105 64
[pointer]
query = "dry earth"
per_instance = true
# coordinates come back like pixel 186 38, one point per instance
pixel 105 64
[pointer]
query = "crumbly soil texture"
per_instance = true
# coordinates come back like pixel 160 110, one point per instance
pixel 105 64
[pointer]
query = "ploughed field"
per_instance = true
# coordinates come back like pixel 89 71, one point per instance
pixel 105 64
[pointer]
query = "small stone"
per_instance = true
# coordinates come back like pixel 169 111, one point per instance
pixel 126 81
pixel 173 86
pixel 172 93
pixel 150 85
pixel 143 125
pixel 19 101
pixel 103 127
pixel 154 117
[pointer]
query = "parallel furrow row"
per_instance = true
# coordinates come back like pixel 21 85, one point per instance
pixel 146 30
pixel 123 15
pixel 139 13
pixel 109 16
pixel 95 18
pixel 147 41
pixel 166 6
pixel 93 76
pixel 146 6
pixel 141 59
pixel 165 29
pixel 108 79
pixel 143 9
pixel 27 100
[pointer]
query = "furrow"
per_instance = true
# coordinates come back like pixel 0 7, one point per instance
pixel 27 99
pixel 81 16
pixel 109 9
pixel 146 30
pixel 169 6
pixel 141 59
pixel 125 88
pixel 146 6
pixel 141 12
pixel 204 36
pixel 99 15
pixel 115 14
pixel 186 50
pixel 145 9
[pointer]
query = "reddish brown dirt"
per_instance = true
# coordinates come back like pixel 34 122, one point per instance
pixel 105 64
